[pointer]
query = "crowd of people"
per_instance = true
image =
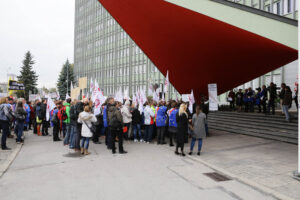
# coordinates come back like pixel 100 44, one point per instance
pixel 75 123
pixel 264 99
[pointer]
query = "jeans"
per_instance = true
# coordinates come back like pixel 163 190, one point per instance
pixel 73 133
pixel 5 132
pixel 137 127
pixel 148 133
pixel 19 130
pixel 67 133
pixel 271 104
pixel 199 144
pixel 286 112
pixel 55 132
pixel 85 142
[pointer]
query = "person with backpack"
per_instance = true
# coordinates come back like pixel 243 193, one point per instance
pixel 55 120
pixel 115 123
pixel 86 118
pixel 73 124
pixel 6 116
pixel 79 108
pixel 136 123
pixel 39 117
pixel 66 122
pixel 20 116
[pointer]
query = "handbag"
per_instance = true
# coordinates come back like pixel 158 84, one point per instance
pixel 125 129
pixel 92 128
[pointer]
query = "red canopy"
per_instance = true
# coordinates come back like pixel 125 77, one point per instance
pixel 197 49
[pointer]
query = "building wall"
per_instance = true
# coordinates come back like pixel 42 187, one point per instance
pixel 103 51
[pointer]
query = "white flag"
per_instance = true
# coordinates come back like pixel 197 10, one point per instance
pixel 126 94
pixel 191 101
pixel 92 85
pixel 67 96
pixel 156 95
pixel 57 95
pixel 50 106
pixel 150 88
pixel 166 88
pixel 119 96
pixel 134 100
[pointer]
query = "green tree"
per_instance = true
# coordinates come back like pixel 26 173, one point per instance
pixel 27 75
pixel 65 78
pixel 52 90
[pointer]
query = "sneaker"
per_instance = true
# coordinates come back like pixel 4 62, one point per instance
pixel 182 154
pixel 141 140
pixel 6 148
pixel 135 140
pixel 176 152
pixel 123 152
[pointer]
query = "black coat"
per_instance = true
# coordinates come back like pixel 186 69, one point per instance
pixel 182 128
pixel 136 117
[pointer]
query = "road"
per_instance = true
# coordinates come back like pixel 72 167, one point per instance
pixel 47 170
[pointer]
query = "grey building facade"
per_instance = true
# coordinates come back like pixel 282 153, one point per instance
pixel 103 51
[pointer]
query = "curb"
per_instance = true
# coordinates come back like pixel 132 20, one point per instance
pixel 250 183
pixel 10 159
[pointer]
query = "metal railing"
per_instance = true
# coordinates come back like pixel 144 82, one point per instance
pixel 285 8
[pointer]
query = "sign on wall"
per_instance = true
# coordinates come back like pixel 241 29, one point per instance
pixel 213 97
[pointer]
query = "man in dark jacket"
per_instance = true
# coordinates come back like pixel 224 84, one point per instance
pixel 45 122
pixel 79 108
pixel 272 97
pixel 264 98
pixel 115 124
pixel 281 96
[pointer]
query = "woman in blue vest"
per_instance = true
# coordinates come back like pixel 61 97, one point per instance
pixel 172 121
pixel 161 118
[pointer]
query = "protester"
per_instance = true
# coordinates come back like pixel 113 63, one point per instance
pixel 136 124
pixel 56 121
pixel 287 102
pixel 20 117
pixel 115 123
pixel 6 115
pixel 182 128
pixel 66 123
pixel 231 99
pixel 73 125
pixel 239 100
pixel 45 123
pixel 296 96
pixel 127 118
pixel 32 115
pixel 149 115
pixel 281 97
pixel 172 122
pixel 39 117
pixel 161 118
pixel 272 97
pixel 263 98
pixel 86 118
pixel 198 129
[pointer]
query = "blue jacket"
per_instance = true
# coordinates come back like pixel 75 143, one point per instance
pixel 27 109
pixel 161 116
pixel 105 117
pixel 172 117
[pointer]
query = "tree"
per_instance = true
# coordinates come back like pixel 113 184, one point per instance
pixel 65 78
pixel 45 90
pixel 28 76
pixel 52 90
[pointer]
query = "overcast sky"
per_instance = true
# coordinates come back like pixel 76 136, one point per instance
pixel 45 28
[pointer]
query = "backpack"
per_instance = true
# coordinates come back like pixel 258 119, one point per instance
pixel 63 113
pixel 54 119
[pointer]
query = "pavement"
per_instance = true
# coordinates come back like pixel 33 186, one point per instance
pixel 47 170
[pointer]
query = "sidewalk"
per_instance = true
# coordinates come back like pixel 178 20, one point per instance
pixel 254 160
pixel 6 157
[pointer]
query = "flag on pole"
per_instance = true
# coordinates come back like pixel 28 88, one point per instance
pixel 191 101
pixel 150 88
pixel 167 83
pixel 50 107
pixel 67 96
pixel 57 95
pixel 92 85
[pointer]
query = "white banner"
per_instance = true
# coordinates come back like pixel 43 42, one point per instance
pixel 213 97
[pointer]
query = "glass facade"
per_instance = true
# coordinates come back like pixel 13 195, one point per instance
pixel 103 51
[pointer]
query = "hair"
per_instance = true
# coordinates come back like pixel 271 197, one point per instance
pixel 20 104
pixel 3 100
pixel 68 100
pixel 87 109
pixel 182 109
pixel 288 88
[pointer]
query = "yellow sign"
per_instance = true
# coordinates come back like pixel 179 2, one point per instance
pixel 75 93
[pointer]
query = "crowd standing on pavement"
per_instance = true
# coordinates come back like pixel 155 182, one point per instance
pixel 264 99
pixel 74 122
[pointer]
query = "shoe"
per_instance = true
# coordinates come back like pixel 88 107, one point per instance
pixel 113 152
pixel 141 140
pixel 148 142
pixel 6 148
pixel 182 154
pixel 176 152
pixel 171 145
pixel 18 142
pixel 190 153
pixel 135 140
pixel 123 152
pixel 198 153
pixel 86 152
pixel 82 150
pixel 97 142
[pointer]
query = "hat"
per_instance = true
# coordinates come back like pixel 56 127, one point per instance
pixel 258 88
